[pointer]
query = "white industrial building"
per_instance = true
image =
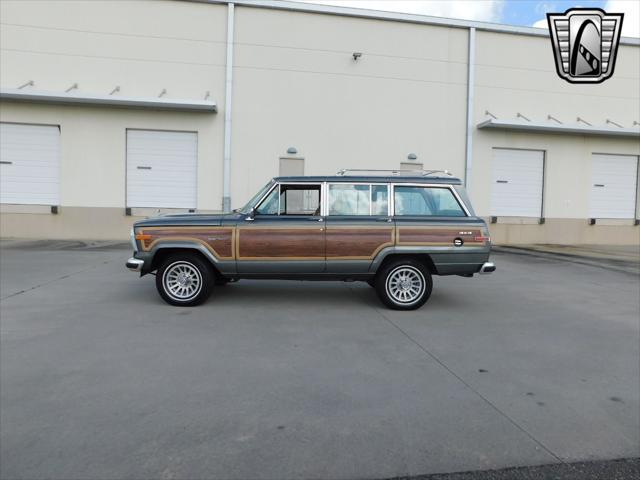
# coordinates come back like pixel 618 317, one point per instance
pixel 114 110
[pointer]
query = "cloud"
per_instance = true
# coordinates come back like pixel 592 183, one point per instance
pixel 541 23
pixel 631 10
pixel 630 24
pixel 480 10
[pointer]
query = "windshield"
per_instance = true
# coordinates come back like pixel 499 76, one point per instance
pixel 247 208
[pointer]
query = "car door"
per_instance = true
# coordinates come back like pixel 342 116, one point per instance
pixel 286 233
pixel 358 225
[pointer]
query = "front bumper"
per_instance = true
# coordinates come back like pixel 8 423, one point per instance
pixel 135 264
pixel 487 267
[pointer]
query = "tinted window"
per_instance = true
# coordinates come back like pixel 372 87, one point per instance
pixel 428 201
pixel 292 200
pixel 348 199
pixel 379 199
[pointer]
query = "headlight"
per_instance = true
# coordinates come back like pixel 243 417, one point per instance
pixel 133 240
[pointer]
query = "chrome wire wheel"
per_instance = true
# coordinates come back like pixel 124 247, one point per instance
pixel 405 285
pixel 182 281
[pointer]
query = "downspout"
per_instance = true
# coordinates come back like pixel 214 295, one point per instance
pixel 471 80
pixel 226 165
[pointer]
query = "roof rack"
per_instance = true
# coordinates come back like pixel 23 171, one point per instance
pixel 398 173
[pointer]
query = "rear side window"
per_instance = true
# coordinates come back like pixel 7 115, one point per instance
pixel 349 199
pixel 358 199
pixel 426 201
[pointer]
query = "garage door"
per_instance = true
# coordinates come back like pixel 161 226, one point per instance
pixel 29 164
pixel 516 189
pixel 161 169
pixel 613 186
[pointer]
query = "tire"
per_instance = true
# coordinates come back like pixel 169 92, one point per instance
pixel 404 284
pixel 184 279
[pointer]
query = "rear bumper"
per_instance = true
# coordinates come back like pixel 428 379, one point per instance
pixel 135 264
pixel 487 267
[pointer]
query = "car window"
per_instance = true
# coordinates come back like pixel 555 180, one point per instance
pixel 269 205
pixel 349 199
pixel 302 199
pixel 379 199
pixel 427 201
pixel 255 198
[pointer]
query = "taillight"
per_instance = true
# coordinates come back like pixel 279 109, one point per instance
pixel 481 238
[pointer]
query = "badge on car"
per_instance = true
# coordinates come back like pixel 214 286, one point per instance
pixel 585 43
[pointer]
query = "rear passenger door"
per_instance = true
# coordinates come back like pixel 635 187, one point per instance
pixel 358 225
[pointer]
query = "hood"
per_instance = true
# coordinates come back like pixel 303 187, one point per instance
pixel 187 219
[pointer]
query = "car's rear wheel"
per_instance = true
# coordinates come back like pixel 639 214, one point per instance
pixel 184 279
pixel 404 284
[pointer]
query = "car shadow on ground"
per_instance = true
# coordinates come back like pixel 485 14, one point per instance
pixel 287 293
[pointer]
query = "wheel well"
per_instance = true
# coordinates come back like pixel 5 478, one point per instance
pixel 163 253
pixel 423 258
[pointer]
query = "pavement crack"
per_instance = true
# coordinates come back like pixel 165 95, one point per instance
pixel 48 282
pixel 469 386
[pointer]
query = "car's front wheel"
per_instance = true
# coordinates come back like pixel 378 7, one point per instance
pixel 184 280
pixel 404 284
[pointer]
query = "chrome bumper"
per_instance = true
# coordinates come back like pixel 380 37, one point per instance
pixel 135 264
pixel 487 267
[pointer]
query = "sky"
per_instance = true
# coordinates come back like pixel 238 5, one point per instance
pixel 513 12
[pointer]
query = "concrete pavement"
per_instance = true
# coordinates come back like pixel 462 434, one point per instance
pixel 536 364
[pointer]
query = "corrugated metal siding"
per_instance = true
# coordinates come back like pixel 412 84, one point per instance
pixel 613 186
pixel 161 169
pixel 517 180
pixel 29 164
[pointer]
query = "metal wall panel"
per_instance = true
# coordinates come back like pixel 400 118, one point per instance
pixel 161 169
pixel 29 164
pixel 613 186
pixel 517 182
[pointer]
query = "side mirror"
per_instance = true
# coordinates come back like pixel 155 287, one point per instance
pixel 251 215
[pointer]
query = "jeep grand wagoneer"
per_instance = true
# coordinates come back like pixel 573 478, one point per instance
pixel 392 229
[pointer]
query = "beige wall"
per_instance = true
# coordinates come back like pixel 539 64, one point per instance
pixel 296 84
pixel 180 48
pixel 142 46
pixel 515 74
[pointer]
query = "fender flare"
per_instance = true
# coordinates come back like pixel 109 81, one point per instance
pixel 398 250
pixel 182 245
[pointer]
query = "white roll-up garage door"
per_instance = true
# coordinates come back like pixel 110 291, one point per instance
pixel 517 181
pixel 29 164
pixel 161 169
pixel 613 186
